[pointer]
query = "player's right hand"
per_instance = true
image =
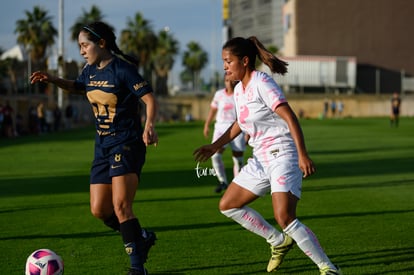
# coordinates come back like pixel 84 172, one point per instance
pixel 204 152
pixel 39 77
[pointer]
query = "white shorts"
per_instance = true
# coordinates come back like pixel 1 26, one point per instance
pixel 282 175
pixel 238 144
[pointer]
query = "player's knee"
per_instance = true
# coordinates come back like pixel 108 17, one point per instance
pixel 123 211
pixel 101 211
pixel 230 200
pixel 284 219
pixel 224 205
pixel 98 213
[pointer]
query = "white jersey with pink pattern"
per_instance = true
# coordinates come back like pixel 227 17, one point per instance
pixel 269 133
pixel 226 109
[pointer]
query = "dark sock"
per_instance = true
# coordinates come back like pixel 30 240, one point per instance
pixel 133 242
pixel 112 222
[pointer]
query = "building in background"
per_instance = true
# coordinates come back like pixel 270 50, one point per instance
pixel 373 33
pixel 261 18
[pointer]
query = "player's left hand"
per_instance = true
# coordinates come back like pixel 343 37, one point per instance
pixel 307 166
pixel 150 136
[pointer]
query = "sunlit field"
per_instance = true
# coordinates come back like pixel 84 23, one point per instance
pixel 359 204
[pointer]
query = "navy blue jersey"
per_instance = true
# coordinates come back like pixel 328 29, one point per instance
pixel 114 93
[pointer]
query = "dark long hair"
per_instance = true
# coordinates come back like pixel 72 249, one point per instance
pixel 252 47
pixel 100 30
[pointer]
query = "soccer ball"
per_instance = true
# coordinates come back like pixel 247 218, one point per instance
pixel 44 262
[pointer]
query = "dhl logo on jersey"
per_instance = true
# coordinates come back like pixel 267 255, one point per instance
pixel 100 83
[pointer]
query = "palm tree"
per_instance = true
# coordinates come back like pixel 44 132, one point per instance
pixel 36 33
pixel 12 68
pixel 84 19
pixel 163 60
pixel 139 40
pixel 3 70
pixel 194 60
pixel 186 77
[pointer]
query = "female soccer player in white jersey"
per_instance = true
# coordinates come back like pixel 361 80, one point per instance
pixel 280 159
pixel 111 82
pixel 223 109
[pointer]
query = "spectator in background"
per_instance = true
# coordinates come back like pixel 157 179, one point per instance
pixel 69 116
pixel 188 117
pixel 49 120
pixel 33 123
pixel 41 117
pixel 1 119
pixel 340 108
pixel 7 127
pixel 333 107
pixel 19 125
pixel 395 109
pixel 57 118
pixel 325 108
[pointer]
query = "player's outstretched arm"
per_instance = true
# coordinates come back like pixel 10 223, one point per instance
pixel 68 85
pixel 205 152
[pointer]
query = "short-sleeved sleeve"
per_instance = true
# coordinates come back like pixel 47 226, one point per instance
pixel 135 82
pixel 270 91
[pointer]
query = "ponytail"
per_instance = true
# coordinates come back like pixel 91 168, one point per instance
pixel 127 57
pixel 275 64
pixel 252 47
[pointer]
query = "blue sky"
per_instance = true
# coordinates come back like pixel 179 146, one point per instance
pixel 188 20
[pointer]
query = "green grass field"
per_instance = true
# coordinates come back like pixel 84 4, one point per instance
pixel 359 204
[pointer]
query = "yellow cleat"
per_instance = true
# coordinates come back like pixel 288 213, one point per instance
pixel 279 252
pixel 329 271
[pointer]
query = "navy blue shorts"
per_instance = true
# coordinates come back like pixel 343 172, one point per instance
pixel 116 161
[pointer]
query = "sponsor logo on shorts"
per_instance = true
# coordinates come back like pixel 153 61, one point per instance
pixel 281 180
pixel 274 152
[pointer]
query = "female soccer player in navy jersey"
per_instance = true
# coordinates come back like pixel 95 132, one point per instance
pixel 111 82
pixel 280 159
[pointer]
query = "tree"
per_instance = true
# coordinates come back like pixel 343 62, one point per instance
pixel 186 78
pixel 194 60
pixel 84 19
pixel 163 60
pixel 36 33
pixel 139 40
pixel 12 68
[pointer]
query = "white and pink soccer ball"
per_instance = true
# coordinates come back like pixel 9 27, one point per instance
pixel 44 262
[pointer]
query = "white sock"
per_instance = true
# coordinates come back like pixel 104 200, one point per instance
pixel 218 165
pixel 254 222
pixel 237 164
pixel 308 243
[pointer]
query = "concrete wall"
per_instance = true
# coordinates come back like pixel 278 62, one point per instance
pixel 311 106
pixel 354 106
pixel 177 107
